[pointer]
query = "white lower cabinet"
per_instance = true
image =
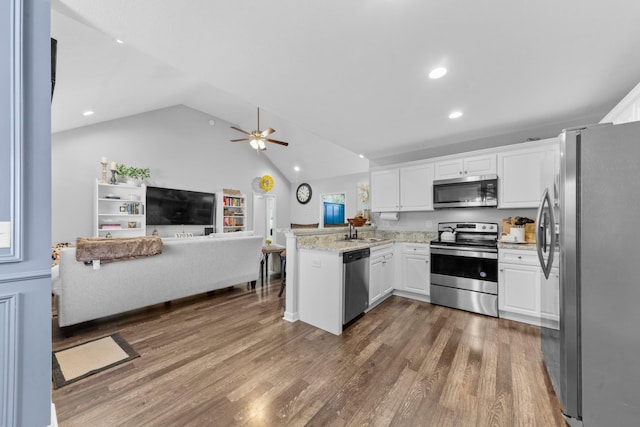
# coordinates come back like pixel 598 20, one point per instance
pixel 524 294
pixel 416 270
pixel 381 273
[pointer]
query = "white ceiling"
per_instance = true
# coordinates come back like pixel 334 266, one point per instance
pixel 336 78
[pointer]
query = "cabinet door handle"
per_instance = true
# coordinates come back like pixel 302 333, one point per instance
pixel 502 269
pixel 519 256
pixel 460 173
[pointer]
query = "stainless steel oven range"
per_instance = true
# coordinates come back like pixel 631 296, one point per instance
pixel 464 267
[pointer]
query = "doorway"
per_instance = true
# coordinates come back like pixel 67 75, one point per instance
pixel 264 216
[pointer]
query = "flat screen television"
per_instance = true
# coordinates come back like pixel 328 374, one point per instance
pixel 169 206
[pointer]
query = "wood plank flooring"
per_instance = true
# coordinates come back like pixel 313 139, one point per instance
pixel 228 359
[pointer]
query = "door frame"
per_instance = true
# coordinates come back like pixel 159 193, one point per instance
pixel 257 197
pixel 321 205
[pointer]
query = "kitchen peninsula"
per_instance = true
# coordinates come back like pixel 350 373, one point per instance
pixel 315 277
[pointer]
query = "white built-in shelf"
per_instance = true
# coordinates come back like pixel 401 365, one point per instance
pixel 107 209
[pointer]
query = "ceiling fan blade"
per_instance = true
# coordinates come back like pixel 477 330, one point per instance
pixel 240 130
pixel 276 141
pixel 265 133
pixel 242 139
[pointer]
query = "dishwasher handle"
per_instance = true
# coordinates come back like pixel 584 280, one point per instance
pixel 353 256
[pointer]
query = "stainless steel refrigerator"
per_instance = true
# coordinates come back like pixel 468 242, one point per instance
pixel 594 359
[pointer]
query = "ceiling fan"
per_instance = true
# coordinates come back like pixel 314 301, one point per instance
pixel 258 137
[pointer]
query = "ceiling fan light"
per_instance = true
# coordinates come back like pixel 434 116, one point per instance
pixel 261 144
pixel 254 144
pixel 436 73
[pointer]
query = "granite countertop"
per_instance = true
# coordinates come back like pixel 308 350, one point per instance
pixel 367 239
pixel 519 246
pixel 342 246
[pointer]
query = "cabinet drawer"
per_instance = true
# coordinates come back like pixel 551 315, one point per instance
pixel 523 257
pixel 415 248
pixel 380 251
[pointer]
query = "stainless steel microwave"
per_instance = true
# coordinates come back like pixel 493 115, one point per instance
pixel 467 192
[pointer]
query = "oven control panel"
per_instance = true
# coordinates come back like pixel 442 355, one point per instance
pixel 478 227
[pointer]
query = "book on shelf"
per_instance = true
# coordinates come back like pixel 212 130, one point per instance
pixel 133 208
pixel 233 222
pixel 234 202
pixel 110 226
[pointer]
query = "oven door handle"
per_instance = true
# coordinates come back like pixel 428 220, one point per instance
pixel 465 252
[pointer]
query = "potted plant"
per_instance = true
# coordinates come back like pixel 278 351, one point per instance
pixel 132 174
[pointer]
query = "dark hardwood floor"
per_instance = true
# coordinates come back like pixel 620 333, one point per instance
pixel 229 359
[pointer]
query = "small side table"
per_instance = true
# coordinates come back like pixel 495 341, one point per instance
pixel 264 262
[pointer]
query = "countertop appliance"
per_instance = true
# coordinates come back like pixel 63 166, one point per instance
pixel 464 271
pixel 356 283
pixel 594 359
pixel 466 192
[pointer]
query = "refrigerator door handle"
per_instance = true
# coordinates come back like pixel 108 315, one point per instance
pixel 541 232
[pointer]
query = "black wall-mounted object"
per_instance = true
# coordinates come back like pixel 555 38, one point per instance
pixel 54 60
pixel 170 206
pixel 208 230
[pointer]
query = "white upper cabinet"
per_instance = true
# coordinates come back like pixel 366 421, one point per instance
pixel 416 188
pixel 457 168
pixel 385 190
pixel 409 188
pixel 627 110
pixel 525 173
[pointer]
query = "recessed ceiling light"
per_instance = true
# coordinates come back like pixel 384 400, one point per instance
pixel 361 156
pixel 296 168
pixel 119 41
pixel 212 122
pixel 436 73
pixel 87 113
pixel 455 114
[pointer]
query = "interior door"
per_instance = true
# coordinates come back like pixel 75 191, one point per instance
pixel 259 215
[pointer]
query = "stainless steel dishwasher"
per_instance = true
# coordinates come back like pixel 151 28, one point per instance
pixel 356 283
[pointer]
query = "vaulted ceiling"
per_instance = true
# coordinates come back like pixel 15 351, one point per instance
pixel 342 78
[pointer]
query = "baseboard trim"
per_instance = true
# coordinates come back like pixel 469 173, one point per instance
pixel 291 317
pixel 411 295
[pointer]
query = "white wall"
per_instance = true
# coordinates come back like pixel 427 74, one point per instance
pixel 312 212
pixel 179 146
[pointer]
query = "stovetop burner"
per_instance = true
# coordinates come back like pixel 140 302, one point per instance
pixel 470 234
pixel 483 244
